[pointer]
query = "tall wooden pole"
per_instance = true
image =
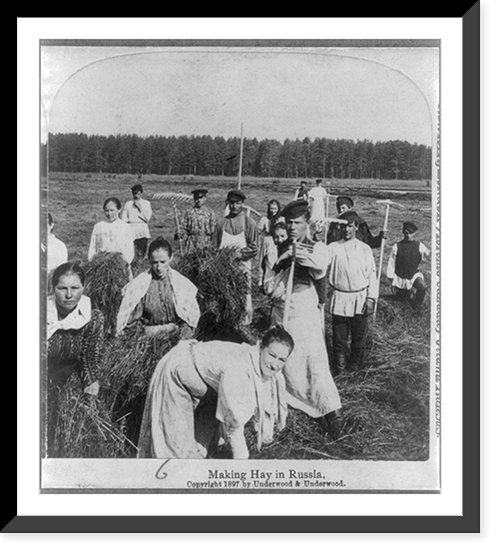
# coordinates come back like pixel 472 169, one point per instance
pixel 241 158
pixel 289 287
pixel 381 260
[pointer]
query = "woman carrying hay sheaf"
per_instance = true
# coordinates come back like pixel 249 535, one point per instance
pixel 75 337
pixel 113 234
pixel 246 382
pixel 160 299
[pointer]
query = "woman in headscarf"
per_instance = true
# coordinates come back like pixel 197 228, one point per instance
pixel 160 299
pixel 264 228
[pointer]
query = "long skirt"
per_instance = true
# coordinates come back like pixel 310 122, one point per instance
pixel 179 415
pixel 309 382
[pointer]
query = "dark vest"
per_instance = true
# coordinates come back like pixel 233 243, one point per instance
pixel 408 258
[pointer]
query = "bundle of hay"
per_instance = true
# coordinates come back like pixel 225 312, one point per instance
pixel 129 362
pixel 108 426
pixel 106 275
pixel 84 427
pixel 126 371
pixel 222 287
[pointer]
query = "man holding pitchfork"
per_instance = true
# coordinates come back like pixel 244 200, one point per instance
pixel 295 306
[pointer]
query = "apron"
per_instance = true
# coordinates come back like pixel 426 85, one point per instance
pixel 309 382
pixel 238 241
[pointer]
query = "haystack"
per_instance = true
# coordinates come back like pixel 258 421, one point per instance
pixel 222 287
pixel 84 426
pixel 106 275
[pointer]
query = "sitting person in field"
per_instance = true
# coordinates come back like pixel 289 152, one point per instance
pixel 160 299
pixel 246 382
pixel 402 268
pixel 75 339
pixel 113 234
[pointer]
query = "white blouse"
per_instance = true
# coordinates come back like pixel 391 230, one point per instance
pixel 112 237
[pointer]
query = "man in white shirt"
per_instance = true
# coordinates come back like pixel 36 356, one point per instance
pixel 354 283
pixel 137 213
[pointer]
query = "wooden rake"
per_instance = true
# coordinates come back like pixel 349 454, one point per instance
pixel 175 198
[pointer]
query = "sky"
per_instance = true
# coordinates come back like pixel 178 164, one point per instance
pixel 276 93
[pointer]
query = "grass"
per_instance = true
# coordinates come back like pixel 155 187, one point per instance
pixel 386 405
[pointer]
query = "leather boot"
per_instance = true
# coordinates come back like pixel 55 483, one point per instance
pixel 339 362
pixel 335 422
pixel 357 358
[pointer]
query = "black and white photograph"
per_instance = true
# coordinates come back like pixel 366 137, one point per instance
pixel 240 276
pixel 241 261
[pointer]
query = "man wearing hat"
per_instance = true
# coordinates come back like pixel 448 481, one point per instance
pixel 402 268
pixel 137 212
pixel 295 306
pixel 238 230
pixel 354 283
pixel 198 224
pixel 345 206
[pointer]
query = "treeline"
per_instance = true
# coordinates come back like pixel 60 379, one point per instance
pixel 207 155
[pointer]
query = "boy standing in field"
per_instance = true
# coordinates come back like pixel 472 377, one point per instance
pixel 137 213
pixel 402 267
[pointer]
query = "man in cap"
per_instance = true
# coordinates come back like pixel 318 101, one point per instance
pixel 238 230
pixel 344 207
pixel 137 212
pixel 198 224
pixel 296 307
pixel 402 268
pixel 354 283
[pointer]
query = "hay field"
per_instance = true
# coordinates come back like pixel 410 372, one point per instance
pixel 386 406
